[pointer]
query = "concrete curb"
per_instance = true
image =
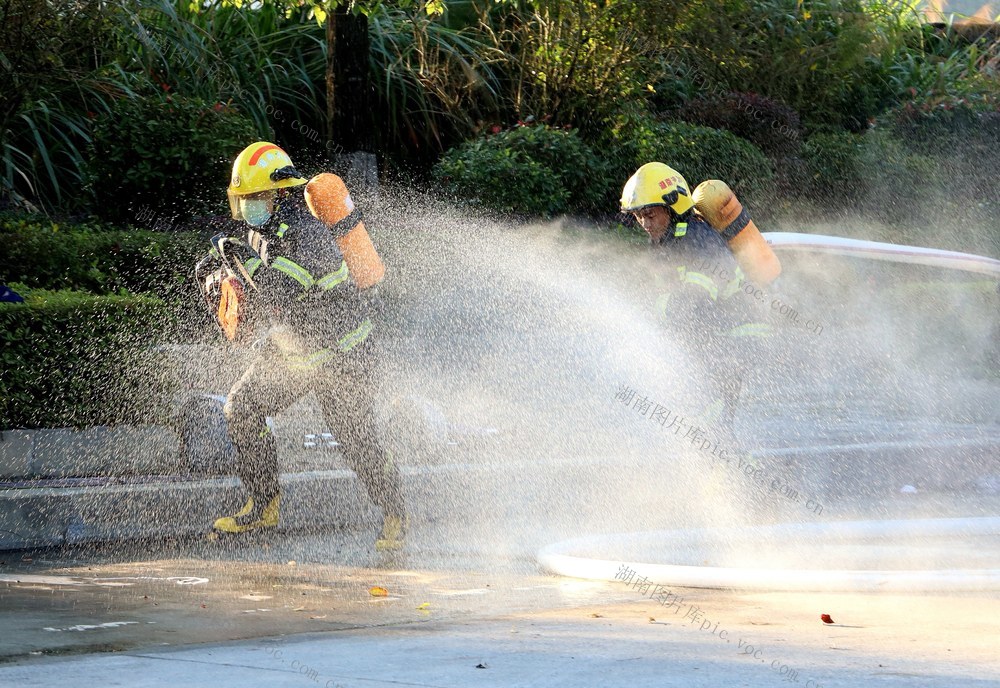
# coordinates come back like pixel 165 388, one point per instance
pixel 97 451
pixel 45 516
pixel 851 469
pixel 55 516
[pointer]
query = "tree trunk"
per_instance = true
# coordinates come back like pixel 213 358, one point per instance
pixel 353 124
pixel 331 54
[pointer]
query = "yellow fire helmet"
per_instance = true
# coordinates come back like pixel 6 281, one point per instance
pixel 261 166
pixel 657 184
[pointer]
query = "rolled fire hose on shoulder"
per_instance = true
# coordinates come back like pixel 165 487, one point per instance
pixel 330 203
pixel 719 206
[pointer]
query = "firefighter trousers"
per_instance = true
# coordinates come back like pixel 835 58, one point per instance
pixel 346 390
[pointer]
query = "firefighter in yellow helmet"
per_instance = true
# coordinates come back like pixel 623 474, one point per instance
pixel 318 327
pixel 703 297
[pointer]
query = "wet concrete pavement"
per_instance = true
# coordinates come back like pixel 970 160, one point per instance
pixel 467 590
pixel 296 610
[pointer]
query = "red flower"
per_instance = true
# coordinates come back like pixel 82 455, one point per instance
pixel 495 129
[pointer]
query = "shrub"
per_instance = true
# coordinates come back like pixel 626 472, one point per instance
pixel 865 95
pixel 964 139
pixel 810 55
pixel 771 126
pixel 73 359
pixel 698 153
pixel 170 155
pixel 937 128
pixel 45 254
pixel 872 172
pixel 835 165
pixel 530 169
pixel 578 61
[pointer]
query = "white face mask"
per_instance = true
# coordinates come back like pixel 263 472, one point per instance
pixel 255 211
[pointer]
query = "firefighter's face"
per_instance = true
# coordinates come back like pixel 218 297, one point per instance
pixel 655 220
pixel 257 208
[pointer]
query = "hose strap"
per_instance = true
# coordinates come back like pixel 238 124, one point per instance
pixel 347 224
pixel 736 226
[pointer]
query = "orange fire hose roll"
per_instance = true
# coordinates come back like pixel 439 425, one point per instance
pixel 229 313
pixel 720 207
pixel 330 202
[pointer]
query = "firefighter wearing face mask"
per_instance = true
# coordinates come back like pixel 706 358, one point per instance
pixel 703 297
pixel 317 324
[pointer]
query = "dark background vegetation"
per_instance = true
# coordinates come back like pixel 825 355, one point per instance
pixel 117 107
pixel 119 121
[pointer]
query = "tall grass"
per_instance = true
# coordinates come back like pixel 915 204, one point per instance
pixel 94 53
pixel 436 84
pixel 571 61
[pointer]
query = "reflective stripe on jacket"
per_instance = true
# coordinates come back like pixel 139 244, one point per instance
pixel 305 285
pixel 706 297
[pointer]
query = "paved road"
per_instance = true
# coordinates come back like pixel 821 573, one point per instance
pixel 297 611
pixel 467 591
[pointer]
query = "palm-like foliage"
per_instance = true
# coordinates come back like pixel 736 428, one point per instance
pixel 266 62
pixel 262 59
pixel 55 77
pixel 435 83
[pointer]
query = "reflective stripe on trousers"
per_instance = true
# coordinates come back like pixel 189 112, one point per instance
pixel 345 344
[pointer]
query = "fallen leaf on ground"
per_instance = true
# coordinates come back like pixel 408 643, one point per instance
pixel 378 591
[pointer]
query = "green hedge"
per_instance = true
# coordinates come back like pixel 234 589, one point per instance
pixel 50 255
pixel 538 170
pixel 963 137
pixel 937 129
pixel 76 359
pixel 769 124
pixel 526 170
pixel 872 173
pixel 836 165
pixel 168 158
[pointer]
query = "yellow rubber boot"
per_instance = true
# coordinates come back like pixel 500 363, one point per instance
pixel 252 518
pixel 247 508
pixel 393 534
